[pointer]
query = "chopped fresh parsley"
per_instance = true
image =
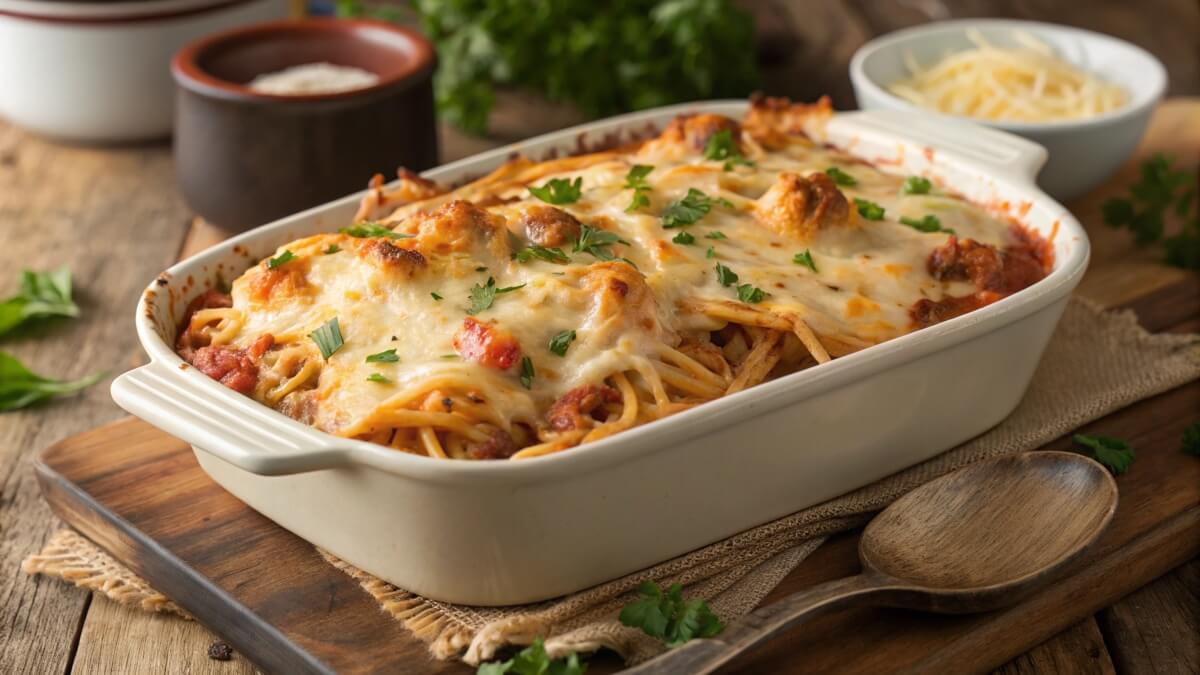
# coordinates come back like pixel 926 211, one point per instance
pixel 388 356
pixel 595 242
pixel 561 342
pixel 333 248
pixel 1191 439
pixel 1113 453
pixel 483 296
pixel 281 259
pixel 19 387
pixel 636 180
pixel 378 377
pixel 668 617
pixel 715 234
pixel 533 660
pixel 722 146
pixel 840 177
pixel 42 295
pixel 805 258
pixel 916 185
pixel 328 337
pixel 435 295
pixel 527 372
pixel 449 357
pixel 726 276
pixel 750 293
pixel 930 223
pixel 1160 191
pixel 869 209
pixel 710 253
pixel 684 237
pixel 481 268
pixel 559 191
pixel 551 255
pixel 370 229
pixel 694 206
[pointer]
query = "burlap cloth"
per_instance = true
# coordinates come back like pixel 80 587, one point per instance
pixel 1096 363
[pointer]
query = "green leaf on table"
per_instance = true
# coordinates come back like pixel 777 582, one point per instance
pixel 668 616
pixel 1191 439
pixel 42 295
pixel 533 660
pixel 19 387
pixel 1113 453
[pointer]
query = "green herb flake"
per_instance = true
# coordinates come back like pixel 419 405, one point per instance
pixel 726 276
pixel 388 356
pixel 435 295
pixel 596 242
pixel 1113 453
pixel 332 248
pixel 751 294
pixel 684 238
pixel 20 388
pixel 533 660
pixel 378 377
pixel 668 617
pixel 550 255
pixel 805 259
pixel 328 338
pixel 869 209
pixel 916 185
pixel 559 191
pixel 483 296
pixel 721 146
pixel 715 234
pixel 370 229
pixel 930 223
pixel 527 372
pixel 694 206
pixel 561 342
pixel 840 177
pixel 281 259
pixel 636 180
pixel 710 253
pixel 42 295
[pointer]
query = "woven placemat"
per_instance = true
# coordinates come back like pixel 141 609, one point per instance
pixel 1097 362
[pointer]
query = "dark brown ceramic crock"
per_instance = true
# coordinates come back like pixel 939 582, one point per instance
pixel 246 158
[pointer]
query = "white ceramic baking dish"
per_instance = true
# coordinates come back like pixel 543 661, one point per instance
pixel 494 533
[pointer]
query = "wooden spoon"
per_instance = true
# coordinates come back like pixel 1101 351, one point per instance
pixel 977 539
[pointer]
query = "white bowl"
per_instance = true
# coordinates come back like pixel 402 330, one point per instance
pixel 1083 153
pixel 101 72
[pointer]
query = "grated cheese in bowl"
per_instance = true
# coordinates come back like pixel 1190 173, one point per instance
pixel 313 78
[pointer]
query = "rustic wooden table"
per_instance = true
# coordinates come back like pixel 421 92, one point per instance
pixel 116 218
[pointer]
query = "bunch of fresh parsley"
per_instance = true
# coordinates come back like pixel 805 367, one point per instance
pixel 1161 191
pixel 668 617
pixel 604 57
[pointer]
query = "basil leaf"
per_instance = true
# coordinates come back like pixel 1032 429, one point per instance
pixel 20 388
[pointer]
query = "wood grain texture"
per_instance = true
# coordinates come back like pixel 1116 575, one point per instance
pixel 1156 629
pixel 1079 650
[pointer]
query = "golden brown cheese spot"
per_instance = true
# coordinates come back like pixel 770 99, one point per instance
pixel 619 296
pixel 694 131
pixel 798 207
pixel 897 269
pixel 549 226
pixel 414 188
pixel 857 306
pixel 458 227
pixel 383 253
pixel 287 280
pixel 771 120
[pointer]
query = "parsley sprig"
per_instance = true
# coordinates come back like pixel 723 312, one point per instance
pixel 559 191
pixel 636 180
pixel 722 146
pixel 869 209
pixel 841 177
pixel 483 296
pixel 751 293
pixel 1160 191
pixel 596 242
pixel 42 295
pixel 534 251
pixel 684 238
pixel 1113 453
pixel 328 338
pixel 369 229
pixel 930 223
pixel 805 259
pixel 694 206
pixel 726 276
pixel 669 617
pixel 561 342
pixel 527 372
pixel 20 387
pixel 533 660
pixel 916 185
pixel 281 259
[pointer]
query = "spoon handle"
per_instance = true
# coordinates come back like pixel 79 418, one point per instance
pixel 699 657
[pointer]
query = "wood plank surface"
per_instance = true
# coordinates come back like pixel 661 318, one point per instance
pixel 1156 629
pixel 1079 650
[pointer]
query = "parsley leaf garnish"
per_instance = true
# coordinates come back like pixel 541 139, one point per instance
pixel 370 229
pixel 42 295
pixel 869 209
pixel 668 617
pixel 750 293
pixel 483 296
pixel 333 248
pixel 805 259
pixel 558 191
pixel 527 372
pixel 1160 190
pixel 684 237
pixel 715 234
pixel 435 295
pixel 595 242
pixel 388 356
pixel 726 276
pixel 378 377
pixel 328 338
pixel 19 387
pixel 710 253
pixel 561 342
pixel 840 177
pixel 721 146
pixel 533 660
pixel 636 180
pixel 551 255
pixel 281 259
pixel 930 223
pixel 916 185
pixel 694 206
pixel 1113 453
pixel 1191 439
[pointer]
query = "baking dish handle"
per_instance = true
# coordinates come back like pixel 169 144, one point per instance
pixel 997 152
pixel 225 423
